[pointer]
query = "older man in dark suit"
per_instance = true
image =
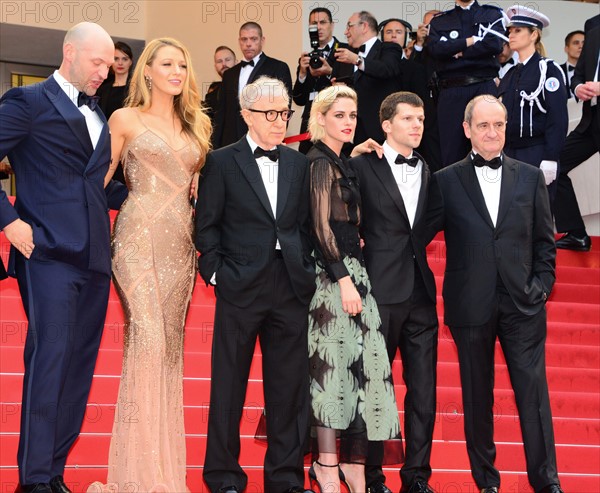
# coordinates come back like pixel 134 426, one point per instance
pixel 59 147
pixel 393 192
pixel 229 124
pixel 500 259
pixel 377 72
pixel 252 231
pixel 582 143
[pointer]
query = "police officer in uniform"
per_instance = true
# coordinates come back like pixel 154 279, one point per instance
pixel 464 43
pixel 535 97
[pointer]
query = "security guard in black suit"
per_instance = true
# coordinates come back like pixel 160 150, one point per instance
pixel 464 43
pixel 309 80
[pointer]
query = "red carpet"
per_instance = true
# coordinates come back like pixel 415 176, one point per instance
pixel 573 359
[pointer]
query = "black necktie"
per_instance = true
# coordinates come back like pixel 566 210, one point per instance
pixel 479 162
pixel 245 63
pixel 273 154
pixel 89 101
pixel 362 48
pixel 412 162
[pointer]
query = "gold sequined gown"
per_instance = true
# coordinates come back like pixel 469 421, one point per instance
pixel 154 271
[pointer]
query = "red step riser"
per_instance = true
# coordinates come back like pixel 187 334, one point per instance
pixel 93 450
pixel 196 392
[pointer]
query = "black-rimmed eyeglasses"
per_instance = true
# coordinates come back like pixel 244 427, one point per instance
pixel 271 115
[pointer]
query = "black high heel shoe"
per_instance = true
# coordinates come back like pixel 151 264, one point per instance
pixel 314 482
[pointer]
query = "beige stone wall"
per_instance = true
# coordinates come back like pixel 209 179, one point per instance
pixel 204 25
pixel 126 18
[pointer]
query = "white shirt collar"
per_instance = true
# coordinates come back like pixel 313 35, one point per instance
pixel 529 58
pixel 392 154
pixel 369 44
pixel 253 145
pixel 468 7
pixel 70 90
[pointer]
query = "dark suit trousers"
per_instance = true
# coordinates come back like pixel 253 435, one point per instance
pixel 280 321
pixel 523 340
pixel 411 326
pixel 579 147
pixel 66 308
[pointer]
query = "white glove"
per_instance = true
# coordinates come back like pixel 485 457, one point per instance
pixel 549 169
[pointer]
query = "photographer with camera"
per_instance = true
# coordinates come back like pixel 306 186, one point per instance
pixel 317 67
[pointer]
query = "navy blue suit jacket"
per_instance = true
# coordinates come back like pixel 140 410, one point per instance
pixel 59 177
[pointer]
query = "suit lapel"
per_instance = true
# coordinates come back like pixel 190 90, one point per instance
pixel 425 175
pixel 381 168
pixel 286 173
pixel 73 117
pixel 373 53
pixel 507 188
pixel 247 164
pixel 256 71
pixel 468 179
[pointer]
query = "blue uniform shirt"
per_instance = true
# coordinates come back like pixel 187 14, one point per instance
pixel 448 33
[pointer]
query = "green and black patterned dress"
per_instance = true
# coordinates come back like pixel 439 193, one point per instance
pixel 350 376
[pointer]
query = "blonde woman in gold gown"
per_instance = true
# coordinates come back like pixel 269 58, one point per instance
pixel 162 138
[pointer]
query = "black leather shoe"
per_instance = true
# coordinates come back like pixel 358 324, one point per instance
pixel 57 485
pixel 378 488
pixel 229 489
pixel 418 487
pixel 34 488
pixel 571 242
pixel 490 489
pixel 551 488
pixel 297 489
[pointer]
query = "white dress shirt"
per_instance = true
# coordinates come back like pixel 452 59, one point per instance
pixel 490 182
pixel 368 45
pixel 245 73
pixel 92 120
pixel 408 180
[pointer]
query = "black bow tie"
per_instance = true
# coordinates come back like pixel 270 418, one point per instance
pixel 571 68
pixel 90 101
pixel 245 63
pixel 479 162
pixel 273 154
pixel 510 61
pixel 412 162
pixel 362 48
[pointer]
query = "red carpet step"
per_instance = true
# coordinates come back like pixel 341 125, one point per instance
pixel 573 369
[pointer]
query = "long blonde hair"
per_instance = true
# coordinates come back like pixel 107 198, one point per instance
pixel 187 105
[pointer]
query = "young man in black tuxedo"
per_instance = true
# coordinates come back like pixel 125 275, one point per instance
pixel 252 231
pixel 500 269
pixel 393 196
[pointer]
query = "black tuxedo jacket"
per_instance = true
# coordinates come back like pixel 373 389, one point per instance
pixel 390 242
pixel 519 249
pixel 586 68
pixel 236 231
pixel 229 125
pixel 381 77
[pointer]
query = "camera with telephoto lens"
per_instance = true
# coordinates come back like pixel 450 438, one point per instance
pixel 316 53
